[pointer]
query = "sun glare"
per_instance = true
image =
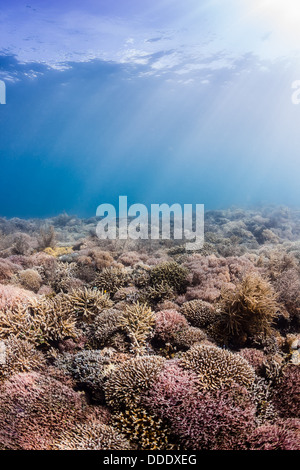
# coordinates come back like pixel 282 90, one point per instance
pixel 284 13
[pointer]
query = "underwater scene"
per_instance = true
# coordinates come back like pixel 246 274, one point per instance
pixel 150 227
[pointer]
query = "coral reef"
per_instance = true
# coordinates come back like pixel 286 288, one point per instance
pixel 142 345
pixel 199 313
pixel 86 303
pixel 40 321
pixel 111 279
pixel 287 392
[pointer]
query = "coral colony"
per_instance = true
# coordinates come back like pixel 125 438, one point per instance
pixel 136 343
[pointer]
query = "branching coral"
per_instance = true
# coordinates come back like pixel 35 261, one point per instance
pixel 198 312
pixel 167 324
pixel 20 356
pixel 159 293
pixel 89 369
pixel 208 275
pixel 92 436
pixel 187 337
pixel 282 435
pixel 126 384
pixel 170 273
pixel 86 303
pixel 249 310
pixel 8 269
pixel 11 296
pixel 138 321
pixel 64 277
pixel 288 287
pixel 256 359
pixel 40 321
pixel 216 367
pixel 202 420
pixel 104 328
pixel 286 397
pixel 144 430
pixel 35 410
pixel 111 279
pixel 260 392
pixel 173 330
pixel 30 279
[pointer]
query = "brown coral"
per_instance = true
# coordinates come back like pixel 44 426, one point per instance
pixel 216 367
pixel 137 321
pixel 248 311
pixel 126 384
pixel 20 356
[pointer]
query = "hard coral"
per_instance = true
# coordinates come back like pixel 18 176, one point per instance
pixel 216 367
pixel 12 296
pixel 286 396
pixel 167 324
pixel 247 311
pixel 208 275
pixel 58 251
pixel 35 410
pixel 40 321
pixel 143 430
pixel 198 312
pixel 126 384
pixel 170 273
pixel 86 303
pixel 188 337
pixel 30 279
pixel 282 435
pixel 201 420
pixel 92 436
pixel 111 279
pixel 137 321
pixel 105 328
pixel 89 369
pixel 20 356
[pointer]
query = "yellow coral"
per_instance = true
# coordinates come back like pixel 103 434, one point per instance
pixel 58 251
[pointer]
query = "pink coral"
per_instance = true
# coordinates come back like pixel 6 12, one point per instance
pixel 10 296
pixel 202 420
pixel 8 269
pixel 209 275
pixel 35 410
pixel 168 323
pixel 282 435
pixel 255 357
pixel 287 392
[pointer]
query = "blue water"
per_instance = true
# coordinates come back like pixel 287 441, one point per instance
pixel 75 138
